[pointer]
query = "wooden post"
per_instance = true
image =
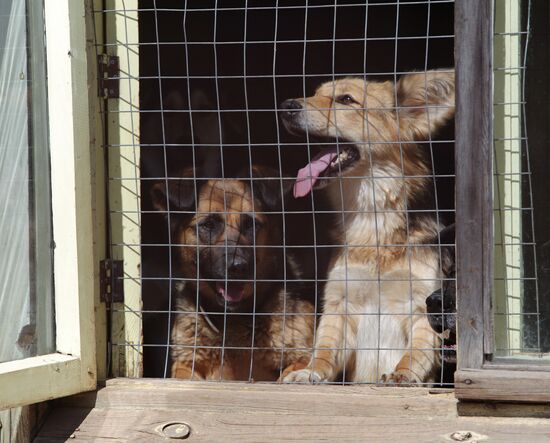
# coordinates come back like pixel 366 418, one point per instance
pixel 474 141
pixel 124 185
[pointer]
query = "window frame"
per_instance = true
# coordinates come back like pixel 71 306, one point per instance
pixel 478 377
pixel 72 368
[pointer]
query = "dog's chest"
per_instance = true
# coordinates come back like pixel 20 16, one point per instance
pixel 245 344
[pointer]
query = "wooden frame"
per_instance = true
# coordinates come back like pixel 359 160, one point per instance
pixel 72 368
pixel 478 376
pixel 123 120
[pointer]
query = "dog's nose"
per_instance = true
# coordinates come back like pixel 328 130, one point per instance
pixel 290 107
pixel 434 302
pixel 238 268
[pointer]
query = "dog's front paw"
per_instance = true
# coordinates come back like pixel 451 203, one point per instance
pixel 304 376
pixel 402 377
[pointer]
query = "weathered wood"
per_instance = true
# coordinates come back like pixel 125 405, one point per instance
pixel 20 425
pixel 42 378
pixel 502 385
pixel 97 149
pixel 473 147
pixel 516 364
pixel 247 398
pixel 136 410
pixel 497 409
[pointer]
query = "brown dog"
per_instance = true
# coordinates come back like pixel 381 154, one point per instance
pixel 374 323
pixel 240 314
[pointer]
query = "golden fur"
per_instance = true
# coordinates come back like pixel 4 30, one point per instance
pixel 277 324
pixel 374 321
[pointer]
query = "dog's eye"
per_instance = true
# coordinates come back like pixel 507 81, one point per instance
pixel 209 223
pixel 249 223
pixel 345 99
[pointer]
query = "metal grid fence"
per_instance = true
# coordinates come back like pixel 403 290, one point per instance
pixel 239 255
pixel 520 266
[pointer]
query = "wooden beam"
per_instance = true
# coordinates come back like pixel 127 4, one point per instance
pixel 128 410
pixel 473 148
pixel 498 409
pixel 94 32
pixel 503 385
pixel 123 121
pixel 41 378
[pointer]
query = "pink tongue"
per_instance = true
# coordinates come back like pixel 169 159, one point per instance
pixel 307 176
pixel 231 292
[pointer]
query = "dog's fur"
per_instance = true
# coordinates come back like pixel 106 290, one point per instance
pixel 374 322
pixel 233 297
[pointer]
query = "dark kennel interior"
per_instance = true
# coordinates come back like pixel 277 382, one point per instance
pixel 233 63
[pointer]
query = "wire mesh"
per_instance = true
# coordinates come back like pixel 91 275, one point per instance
pixel 267 247
pixel 520 214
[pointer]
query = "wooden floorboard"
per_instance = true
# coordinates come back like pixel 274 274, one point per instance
pixel 136 411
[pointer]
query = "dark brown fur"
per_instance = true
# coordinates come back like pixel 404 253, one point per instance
pixel 267 333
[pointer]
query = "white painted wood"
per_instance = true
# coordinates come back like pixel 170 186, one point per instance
pixel 73 369
pixel 42 378
pixel 99 182
pixel 124 187
pixel 507 185
pixel 71 178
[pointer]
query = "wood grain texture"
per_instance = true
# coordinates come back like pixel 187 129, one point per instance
pixel 502 385
pixel 99 203
pixel 473 147
pixel 134 411
pixel 20 425
pixel 498 409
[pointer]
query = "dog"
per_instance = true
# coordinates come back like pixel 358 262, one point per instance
pixel 240 313
pixel 374 325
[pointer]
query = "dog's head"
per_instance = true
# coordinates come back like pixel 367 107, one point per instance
pixel 368 119
pixel 223 230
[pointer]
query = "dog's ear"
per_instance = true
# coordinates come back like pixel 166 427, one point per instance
pixel 175 194
pixel 425 102
pixel 270 187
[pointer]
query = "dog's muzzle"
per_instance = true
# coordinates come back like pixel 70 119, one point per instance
pixel 290 108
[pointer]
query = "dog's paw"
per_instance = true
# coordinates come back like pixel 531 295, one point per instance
pixel 401 377
pixel 304 376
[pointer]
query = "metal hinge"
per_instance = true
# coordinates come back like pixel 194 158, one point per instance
pixel 111 288
pixel 109 73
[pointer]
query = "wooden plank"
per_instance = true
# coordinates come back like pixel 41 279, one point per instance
pixel 70 147
pixel 136 411
pixel 502 385
pixel 168 394
pixel 498 409
pixel 68 112
pixel 20 425
pixel 473 147
pixel 95 36
pixel 124 186
pixel 42 378
pixel 130 425
pixel 42 293
pixel 507 161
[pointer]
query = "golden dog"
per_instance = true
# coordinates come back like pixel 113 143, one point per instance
pixel 374 324
pixel 237 319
